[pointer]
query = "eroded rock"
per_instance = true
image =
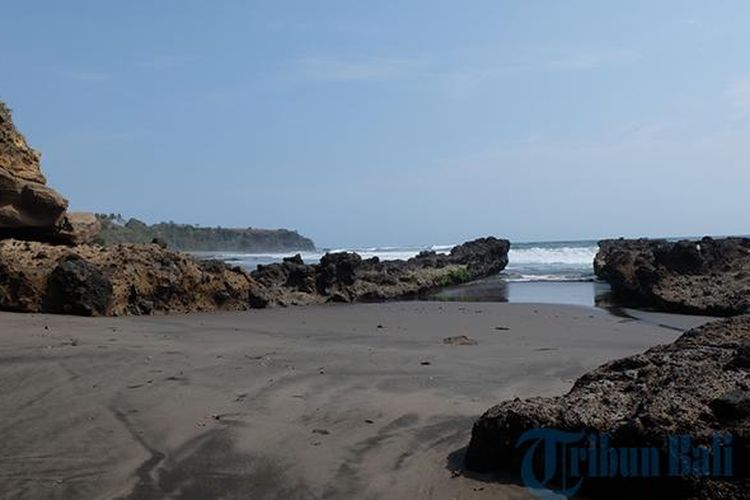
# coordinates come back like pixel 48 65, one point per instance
pixel 346 277
pixel 28 208
pixel 77 286
pixel 122 279
pixel 693 387
pixel 709 276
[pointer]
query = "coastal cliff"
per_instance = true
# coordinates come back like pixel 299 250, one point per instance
pixel 708 276
pixel 28 207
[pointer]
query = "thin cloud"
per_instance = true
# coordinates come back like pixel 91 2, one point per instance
pixel 165 62
pixel 84 75
pixel 333 69
pixel 587 60
pixel 328 68
pixel 738 94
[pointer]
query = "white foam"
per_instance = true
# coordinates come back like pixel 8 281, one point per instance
pixel 575 256
pixel 526 278
pixel 532 263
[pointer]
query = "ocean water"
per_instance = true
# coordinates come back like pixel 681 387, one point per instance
pixel 561 261
pixel 559 272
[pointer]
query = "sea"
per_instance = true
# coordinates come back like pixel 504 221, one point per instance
pixel 537 272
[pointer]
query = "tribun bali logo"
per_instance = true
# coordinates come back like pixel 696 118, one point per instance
pixel 558 462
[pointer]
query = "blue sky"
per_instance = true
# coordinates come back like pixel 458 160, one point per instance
pixel 375 123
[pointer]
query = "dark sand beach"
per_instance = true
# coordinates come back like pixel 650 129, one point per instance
pixel 335 401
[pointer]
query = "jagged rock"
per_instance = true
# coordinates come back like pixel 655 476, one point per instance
pixel 77 228
pixel 160 242
pixel 346 277
pixel 28 208
pixel 15 154
pixel 138 279
pixel 709 276
pixel 483 257
pixel 39 275
pixel 146 279
pixel 337 270
pixel 76 286
pixel 693 387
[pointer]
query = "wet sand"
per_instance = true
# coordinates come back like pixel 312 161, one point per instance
pixel 341 401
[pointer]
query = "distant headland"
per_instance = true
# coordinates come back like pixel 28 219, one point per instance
pixel 116 229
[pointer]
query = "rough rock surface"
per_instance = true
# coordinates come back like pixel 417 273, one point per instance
pixel 145 279
pixel 77 286
pixel 123 279
pixel 77 228
pixel 709 276
pixel 698 385
pixel 28 208
pixel 39 274
pixel 346 277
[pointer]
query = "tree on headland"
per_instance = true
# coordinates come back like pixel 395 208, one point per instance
pixel 191 237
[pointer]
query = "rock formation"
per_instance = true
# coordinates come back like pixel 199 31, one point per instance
pixel 45 265
pixel 346 277
pixel 124 279
pixel 78 228
pixel 145 279
pixel 29 209
pixel 697 386
pixel 710 276
pixel 27 205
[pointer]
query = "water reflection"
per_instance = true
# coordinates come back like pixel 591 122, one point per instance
pixel 590 293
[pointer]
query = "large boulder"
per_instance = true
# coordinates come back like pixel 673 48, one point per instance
pixel 77 286
pixel 698 386
pixel 77 228
pixel 28 208
pixel 483 256
pixel 708 276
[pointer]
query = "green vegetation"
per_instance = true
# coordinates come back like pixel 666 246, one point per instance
pixel 439 277
pixel 193 238
pixel 453 275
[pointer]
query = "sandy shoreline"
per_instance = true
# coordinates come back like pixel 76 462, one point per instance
pixel 350 401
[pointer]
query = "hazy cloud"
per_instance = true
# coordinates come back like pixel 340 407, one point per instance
pixel 84 75
pixel 455 70
pixel 585 60
pixel 164 62
pixel 334 69
pixel 738 94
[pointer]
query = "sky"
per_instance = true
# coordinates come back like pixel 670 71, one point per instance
pixel 392 122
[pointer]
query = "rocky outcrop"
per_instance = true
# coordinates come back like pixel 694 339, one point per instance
pixel 346 277
pixel 697 386
pixel 28 208
pixel 146 279
pixel 123 279
pixel 709 276
pixel 77 286
pixel 46 265
pixel 77 228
